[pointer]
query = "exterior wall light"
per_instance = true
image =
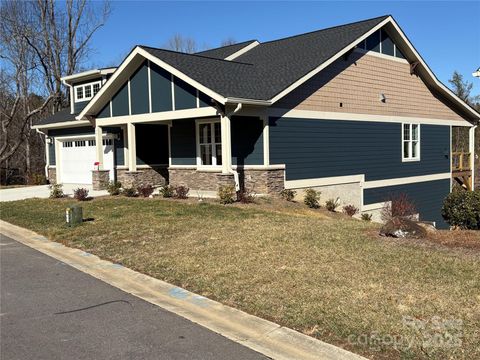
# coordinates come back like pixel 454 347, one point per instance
pixel 383 98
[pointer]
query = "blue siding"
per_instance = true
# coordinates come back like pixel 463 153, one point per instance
pixel 152 144
pixel 204 100
pixel 139 90
pixel 427 197
pixel 51 153
pixel 185 95
pixel 84 130
pixel 120 102
pixel 247 141
pixel 79 105
pixel 183 142
pixel 105 112
pixel 325 148
pixel 161 89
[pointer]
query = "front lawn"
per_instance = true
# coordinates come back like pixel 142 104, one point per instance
pixel 322 274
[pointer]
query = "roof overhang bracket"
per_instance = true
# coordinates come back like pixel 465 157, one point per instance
pixel 348 53
pixel 413 66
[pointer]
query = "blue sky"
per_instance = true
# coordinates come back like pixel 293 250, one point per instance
pixel 446 33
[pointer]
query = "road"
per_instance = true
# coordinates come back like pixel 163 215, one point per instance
pixel 50 310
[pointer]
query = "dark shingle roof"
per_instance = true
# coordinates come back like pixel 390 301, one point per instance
pixel 225 51
pixel 270 67
pixel 58 117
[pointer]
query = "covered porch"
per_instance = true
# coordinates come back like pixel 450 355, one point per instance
pixel 464 165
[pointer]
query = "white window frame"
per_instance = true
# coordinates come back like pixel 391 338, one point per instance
pixel 410 143
pixel 213 144
pixel 84 86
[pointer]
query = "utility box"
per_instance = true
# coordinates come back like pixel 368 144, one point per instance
pixel 74 215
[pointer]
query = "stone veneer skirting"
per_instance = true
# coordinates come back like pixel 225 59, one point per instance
pixel 155 176
pixel 100 179
pixel 52 175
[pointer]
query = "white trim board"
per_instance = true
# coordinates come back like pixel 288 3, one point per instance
pixel 63 124
pixel 327 115
pixel 405 180
pixel 242 51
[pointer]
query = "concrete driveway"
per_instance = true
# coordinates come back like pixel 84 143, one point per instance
pixel 42 191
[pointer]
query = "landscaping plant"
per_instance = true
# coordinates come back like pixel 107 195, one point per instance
pixel 129 192
pixel 398 205
pixel 56 191
pixel 367 217
pixel 181 192
pixel 461 209
pixel 37 179
pixel 288 194
pixel 80 194
pixel 246 196
pixel 114 188
pixel 311 198
pixel 350 210
pixel 331 204
pixel 145 190
pixel 226 194
pixel 167 191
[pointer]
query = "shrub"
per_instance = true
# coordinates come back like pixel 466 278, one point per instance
pixel 167 191
pixel 288 194
pixel 56 191
pixel 181 192
pixel 114 188
pixel 399 206
pixel 129 192
pixel 80 194
pixel 37 179
pixel 350 210
pixel 246 196
pixel 311 198
pixel 331 204
pixel 367 217
pixel 226 194
pixel 145 190
pixel 461 209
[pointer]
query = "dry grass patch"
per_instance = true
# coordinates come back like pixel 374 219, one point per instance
pixel 317 272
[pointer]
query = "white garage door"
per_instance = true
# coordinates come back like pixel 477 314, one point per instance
pixel 78 159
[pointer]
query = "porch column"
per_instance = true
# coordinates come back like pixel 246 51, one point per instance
pixel 471 146
pixel 226 145
pixel 99 146
pixel 266 141
pixel 132 147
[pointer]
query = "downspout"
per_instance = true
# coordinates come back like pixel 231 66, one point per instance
pixel 47 160
pixel 235 173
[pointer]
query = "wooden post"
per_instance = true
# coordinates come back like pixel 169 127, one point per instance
pixel 99 146
pixel 132 147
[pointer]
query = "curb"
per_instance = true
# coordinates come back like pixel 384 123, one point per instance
pixel 261 335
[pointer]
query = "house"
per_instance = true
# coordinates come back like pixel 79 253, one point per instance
pixel 352 111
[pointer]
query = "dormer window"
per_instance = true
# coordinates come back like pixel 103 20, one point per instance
pixel 85 92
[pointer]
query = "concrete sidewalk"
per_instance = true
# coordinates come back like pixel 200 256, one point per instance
pixel 258 334
pixel 43 192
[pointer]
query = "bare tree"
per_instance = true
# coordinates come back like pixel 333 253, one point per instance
pixel 40 41
pixel 182 44
pixel 228 41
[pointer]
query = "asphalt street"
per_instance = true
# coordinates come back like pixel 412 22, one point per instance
pixel 49 310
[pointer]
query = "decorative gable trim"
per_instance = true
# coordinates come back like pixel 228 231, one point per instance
pixel 242 51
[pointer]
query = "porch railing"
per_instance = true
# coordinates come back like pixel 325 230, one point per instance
pixel 461 161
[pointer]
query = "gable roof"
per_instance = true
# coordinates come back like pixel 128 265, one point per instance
pixel 224 52
pixel 265 72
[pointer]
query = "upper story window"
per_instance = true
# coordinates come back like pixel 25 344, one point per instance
pixel 85 92
pixel 209 144
pixel 381 43
pixel 411 142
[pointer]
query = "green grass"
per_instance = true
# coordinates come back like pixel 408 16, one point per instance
pixel 323 274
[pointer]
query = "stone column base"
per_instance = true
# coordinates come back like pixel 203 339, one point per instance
pixel 100 179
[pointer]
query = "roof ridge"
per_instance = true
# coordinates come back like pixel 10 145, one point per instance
pixel 196 55
pixel 227 46
pixel 324 29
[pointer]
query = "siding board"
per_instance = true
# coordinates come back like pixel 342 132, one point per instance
pixel 139 90
pixel 247 141
pixel 183 142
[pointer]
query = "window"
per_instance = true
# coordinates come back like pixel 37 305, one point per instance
pixel 80 143
pixel 91 142
pixel 67 144
pixel 107 141
pixel 411 142
pixel 382 43
pixel 87 91
pixel 209 144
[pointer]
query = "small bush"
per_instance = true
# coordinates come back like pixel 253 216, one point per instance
pixel 331 205
pixel 367 217
pixel 129 192
pixel 80 194
pixel 56 191
pixel 145 190
pixel 114 188
pixel 167 191
pixel 246 196
pixel 350 210
pixel 181 192
pixel 288 194
pixel 461 209
pixel 399 205
pixel 311 198
pixel 37 179
pixel 226 194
